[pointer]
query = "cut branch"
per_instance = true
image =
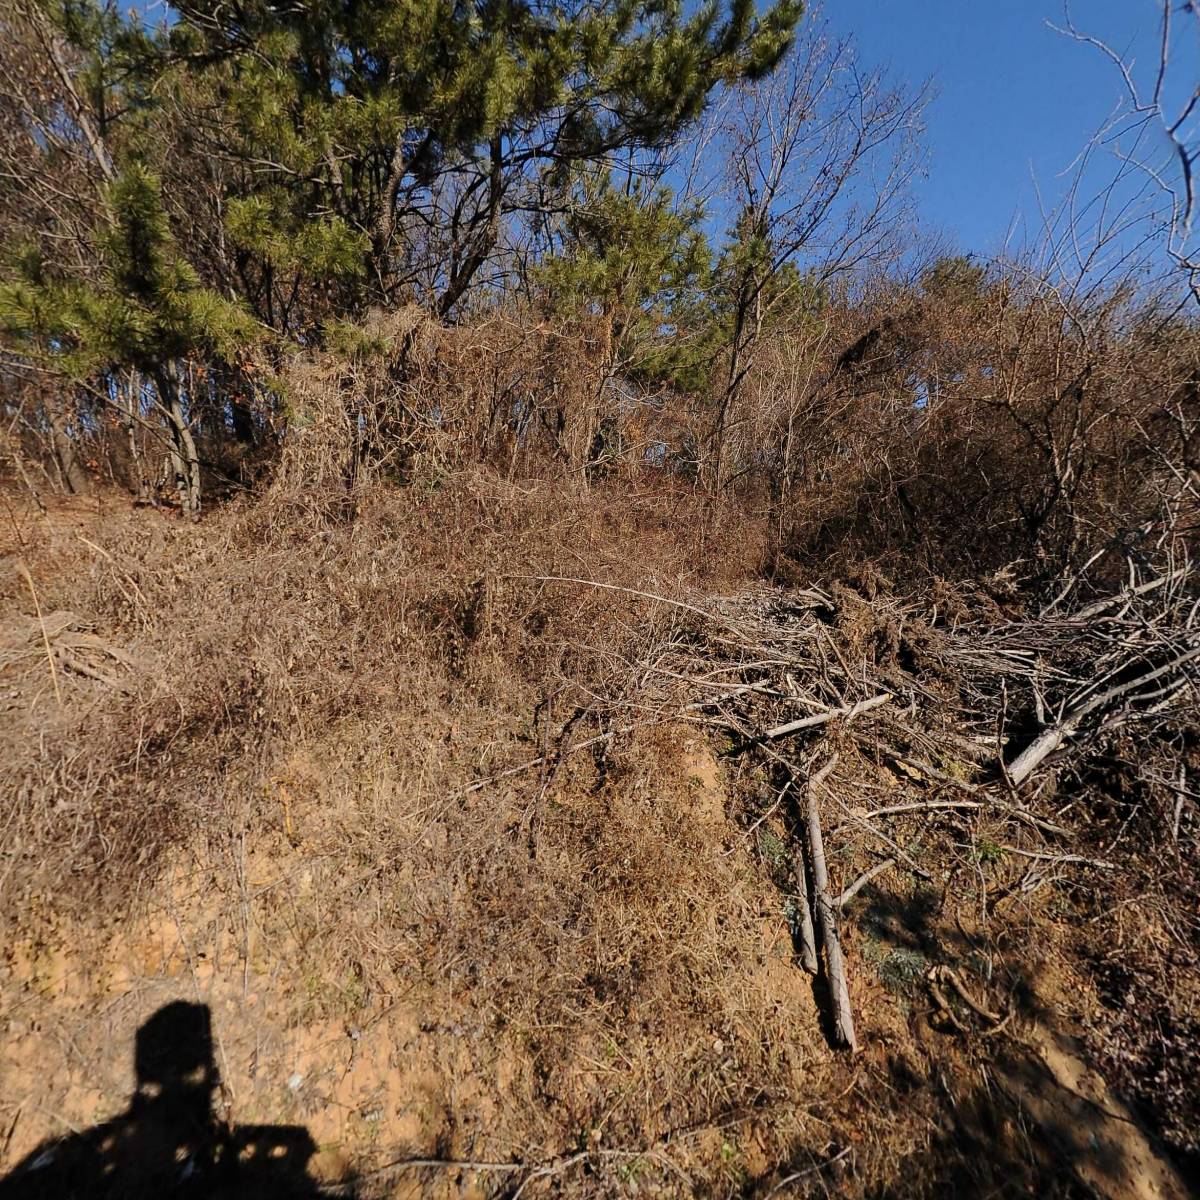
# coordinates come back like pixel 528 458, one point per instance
pixel 804 921
pixel 862 881
pixel 848 711
pixel 1053 737
pixel 839 992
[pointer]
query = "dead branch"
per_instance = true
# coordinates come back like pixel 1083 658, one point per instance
pixel 848 711
pixel 835 965
pixel 804 920
pixel 948 975
pixel 861 882
pixel 1052 738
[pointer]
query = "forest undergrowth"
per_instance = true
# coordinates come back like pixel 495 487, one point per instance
pixel 554 642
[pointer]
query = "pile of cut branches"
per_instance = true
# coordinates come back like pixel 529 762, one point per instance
pixel 1009 718
pixel 869 713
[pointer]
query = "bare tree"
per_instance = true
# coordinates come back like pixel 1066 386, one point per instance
pixel 818 159
pixel 1156 131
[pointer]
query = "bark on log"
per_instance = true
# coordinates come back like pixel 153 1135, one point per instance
pixel 839 992
pixel 804 921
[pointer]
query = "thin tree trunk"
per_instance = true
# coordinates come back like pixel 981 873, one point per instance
pixel 137 464
pixel 485 243
pixel 73 473
pixel 83 116
pixel 239 388
pixel 185 462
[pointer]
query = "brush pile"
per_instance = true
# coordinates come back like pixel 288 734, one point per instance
pixel 929 735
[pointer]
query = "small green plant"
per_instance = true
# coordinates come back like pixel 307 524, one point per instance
pixel 987 853
pixel 732 1164
pixel 774 850
pixel 898 967
pixel 791 913
pixel 628 1172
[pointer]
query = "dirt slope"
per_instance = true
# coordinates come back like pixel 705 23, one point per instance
pixel 282 919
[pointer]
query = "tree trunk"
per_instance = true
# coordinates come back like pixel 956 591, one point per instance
pixel 185 462
pixel 137 464
pixel 74 476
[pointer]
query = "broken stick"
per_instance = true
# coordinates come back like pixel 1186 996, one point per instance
pixel 848 711
pixel 861 882
pixel 835 966
pixel 804 921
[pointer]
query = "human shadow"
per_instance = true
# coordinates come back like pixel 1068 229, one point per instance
pixel 169 1141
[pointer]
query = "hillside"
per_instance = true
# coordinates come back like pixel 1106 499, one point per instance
pixel 558 638
pixel 476 861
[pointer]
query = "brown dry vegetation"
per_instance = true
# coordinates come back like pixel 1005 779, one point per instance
pixel 446 601
pixel 267 762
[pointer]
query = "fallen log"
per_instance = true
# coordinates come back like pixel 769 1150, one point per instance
pixel 839 992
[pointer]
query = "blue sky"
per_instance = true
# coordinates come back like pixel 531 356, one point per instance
pixel 1014 99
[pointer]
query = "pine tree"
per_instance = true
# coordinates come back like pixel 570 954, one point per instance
pixel 145 309
pixel 632 258
pixel 383 143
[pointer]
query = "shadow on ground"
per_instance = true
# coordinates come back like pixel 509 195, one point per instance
pixel 169 1141
pixel 1023 1114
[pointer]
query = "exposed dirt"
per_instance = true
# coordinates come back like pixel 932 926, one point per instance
pixel 1086 1125
pixel 416 975
pixel 417 1072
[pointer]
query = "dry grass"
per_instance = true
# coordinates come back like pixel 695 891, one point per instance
pixel 271 760
pixel 327 695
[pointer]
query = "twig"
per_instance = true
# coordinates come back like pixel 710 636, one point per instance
pixel 529 765
pixel 71 663
pixel 556 1168
pixel 613 587
pixel 935 805
pixel 1181 793
pixel 8 1137
pixel 1062 858
pixel 1122 597
pixel 862 881
pixel 890 843
pixel 608 735
pixel 798 1175
pixel 37 608
pixel 350 1187
pixel 950 976
pixel 849 712
pixel 765 817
